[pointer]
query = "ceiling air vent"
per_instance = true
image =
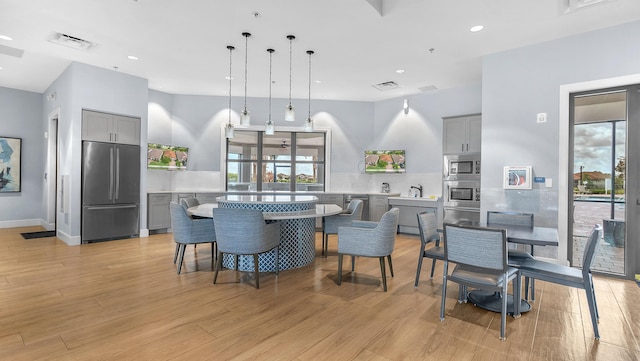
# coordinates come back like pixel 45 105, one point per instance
pixel 71 41
pixel 428 88
pixel 387 85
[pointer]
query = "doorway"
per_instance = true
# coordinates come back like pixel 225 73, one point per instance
pixel 604 124
pixel 51 173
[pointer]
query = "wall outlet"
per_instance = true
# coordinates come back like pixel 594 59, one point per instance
pixel 541 117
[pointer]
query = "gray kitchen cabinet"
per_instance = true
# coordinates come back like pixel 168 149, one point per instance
pixel 158 215
pixel 378 205
pixel 408 219
pixel 110 128
pixel 178 197
pixel 208 197
pixel 462 134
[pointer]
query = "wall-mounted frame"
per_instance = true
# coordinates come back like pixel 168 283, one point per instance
pixel 10 164
pixel 517 177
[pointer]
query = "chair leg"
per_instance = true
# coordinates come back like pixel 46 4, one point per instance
pixel 256 270
pixel 517 296
pixel 384 274
pixel 183 247
pixel 277 260
pixel 213 252
pixel 175 256
pixel 235 265
pixel 339 269
pixel 353 263
pixel 593 308
pixel 433 267
pixel 390 265
pixel 444 289
pixel 533 290
pixel 503 315
pixel 218 266
pixel 325 244
pixel 420 258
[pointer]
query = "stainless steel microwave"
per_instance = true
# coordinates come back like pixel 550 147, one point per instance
pixel 465 166
pixel 462 194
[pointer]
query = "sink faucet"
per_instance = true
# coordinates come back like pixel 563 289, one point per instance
pixel 419 188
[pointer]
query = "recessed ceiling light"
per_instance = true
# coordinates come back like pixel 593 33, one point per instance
pixel 476 28
pixel 131 57
pixel 400 71
pixel 5 37
pixel 317 81
pixel 228 77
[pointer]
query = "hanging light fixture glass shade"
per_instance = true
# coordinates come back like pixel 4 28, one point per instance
pixel 245 115
pixel 229 130
pixel 270 128
pixel 308 124
pixel 289 111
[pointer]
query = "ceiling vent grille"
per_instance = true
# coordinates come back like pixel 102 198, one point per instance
pixel 387 85
pixel 428 88
pixel 72 41
pixel 570 6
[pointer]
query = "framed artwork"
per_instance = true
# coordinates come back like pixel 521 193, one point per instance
pixel 517 177
pixel 10 157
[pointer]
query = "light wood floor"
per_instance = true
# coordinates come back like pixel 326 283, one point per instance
pixel 122 300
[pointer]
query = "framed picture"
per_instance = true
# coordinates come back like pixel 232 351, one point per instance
pixel 517 177
pixel 10 157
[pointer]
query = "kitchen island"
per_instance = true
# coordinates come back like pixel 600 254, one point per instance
pixel 297 215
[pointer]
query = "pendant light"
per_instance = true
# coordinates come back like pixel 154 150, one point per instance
pixel 245 116
pixel 308 125
pixel 289 111
pixel 229 130
pixel 270 127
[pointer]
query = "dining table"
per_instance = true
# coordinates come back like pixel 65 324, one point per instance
pixel 530 236
pixel 296 214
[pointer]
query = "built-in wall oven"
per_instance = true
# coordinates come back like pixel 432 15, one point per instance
pixel 461 188
pixel 462 194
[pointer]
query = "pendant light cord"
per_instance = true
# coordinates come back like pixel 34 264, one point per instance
pixel 246 57
pixel 290 37
pixel 270 61
pixel 310 52
pixel 231 48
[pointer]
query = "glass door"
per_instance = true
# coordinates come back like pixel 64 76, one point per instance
pixel 601 142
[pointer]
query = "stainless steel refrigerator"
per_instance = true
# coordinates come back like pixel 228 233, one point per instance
pixel 110 191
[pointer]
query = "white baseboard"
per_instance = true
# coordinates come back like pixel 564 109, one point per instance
pixel 20 223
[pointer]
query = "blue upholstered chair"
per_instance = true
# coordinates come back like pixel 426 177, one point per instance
pixel 190 231
pixel 189 202
pixel 428 227
pixel 244 232
pixel 480 255
pixel 516 256
pixel 568 276
pixel 330 224
pixel 369 239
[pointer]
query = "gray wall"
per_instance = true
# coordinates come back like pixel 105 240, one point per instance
pixel 20 115
pixel 520 83
pixel 80 87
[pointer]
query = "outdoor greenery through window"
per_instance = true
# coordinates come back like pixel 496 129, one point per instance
pixel 285 161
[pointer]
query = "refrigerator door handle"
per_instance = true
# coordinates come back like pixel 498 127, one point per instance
pixel 117 173
pixel 111 174
pixel 112 207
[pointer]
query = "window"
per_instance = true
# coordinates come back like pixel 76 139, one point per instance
pixel 285 161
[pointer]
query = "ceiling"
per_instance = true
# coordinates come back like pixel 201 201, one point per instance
pixel 181 46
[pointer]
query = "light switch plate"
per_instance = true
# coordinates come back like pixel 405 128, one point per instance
pixel 548 183
pixel 541 117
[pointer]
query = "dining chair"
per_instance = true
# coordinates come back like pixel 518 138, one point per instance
pixel 190 202
pixel 330 224
pixel 244 232
pixel 428 228
pixel 480 255
pixel 516 256
pixel 369 239
pixel 569 276
pixel 187 230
